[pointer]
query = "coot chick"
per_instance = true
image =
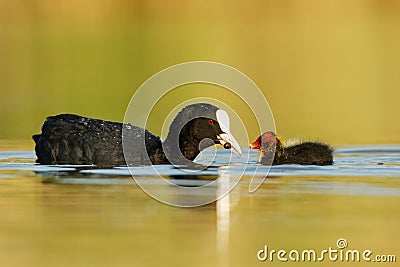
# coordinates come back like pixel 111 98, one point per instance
pixel 73 139
pixel 305 153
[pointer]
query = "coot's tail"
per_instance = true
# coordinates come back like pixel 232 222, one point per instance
pixel 73 139
pixel 42 150
pixel 36 137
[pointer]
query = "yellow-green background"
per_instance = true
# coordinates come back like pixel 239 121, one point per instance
pixel 329 69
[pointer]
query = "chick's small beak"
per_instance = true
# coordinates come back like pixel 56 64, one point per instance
pixel 255 145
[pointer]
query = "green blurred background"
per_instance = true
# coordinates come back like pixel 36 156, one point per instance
pixel 329 69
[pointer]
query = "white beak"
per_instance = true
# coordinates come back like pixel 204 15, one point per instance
pixel 226 137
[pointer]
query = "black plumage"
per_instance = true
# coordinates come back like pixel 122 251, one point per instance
pixel 73 139
pixel 305 153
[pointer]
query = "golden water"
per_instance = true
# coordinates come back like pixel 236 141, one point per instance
pixel 95 225
pixel 48 223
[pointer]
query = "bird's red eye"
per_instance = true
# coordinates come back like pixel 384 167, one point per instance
pixel 210 121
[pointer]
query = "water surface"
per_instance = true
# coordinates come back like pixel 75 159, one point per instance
pixel 83 216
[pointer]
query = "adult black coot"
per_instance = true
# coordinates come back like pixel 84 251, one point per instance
pixel 73 139
pixel 305 153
